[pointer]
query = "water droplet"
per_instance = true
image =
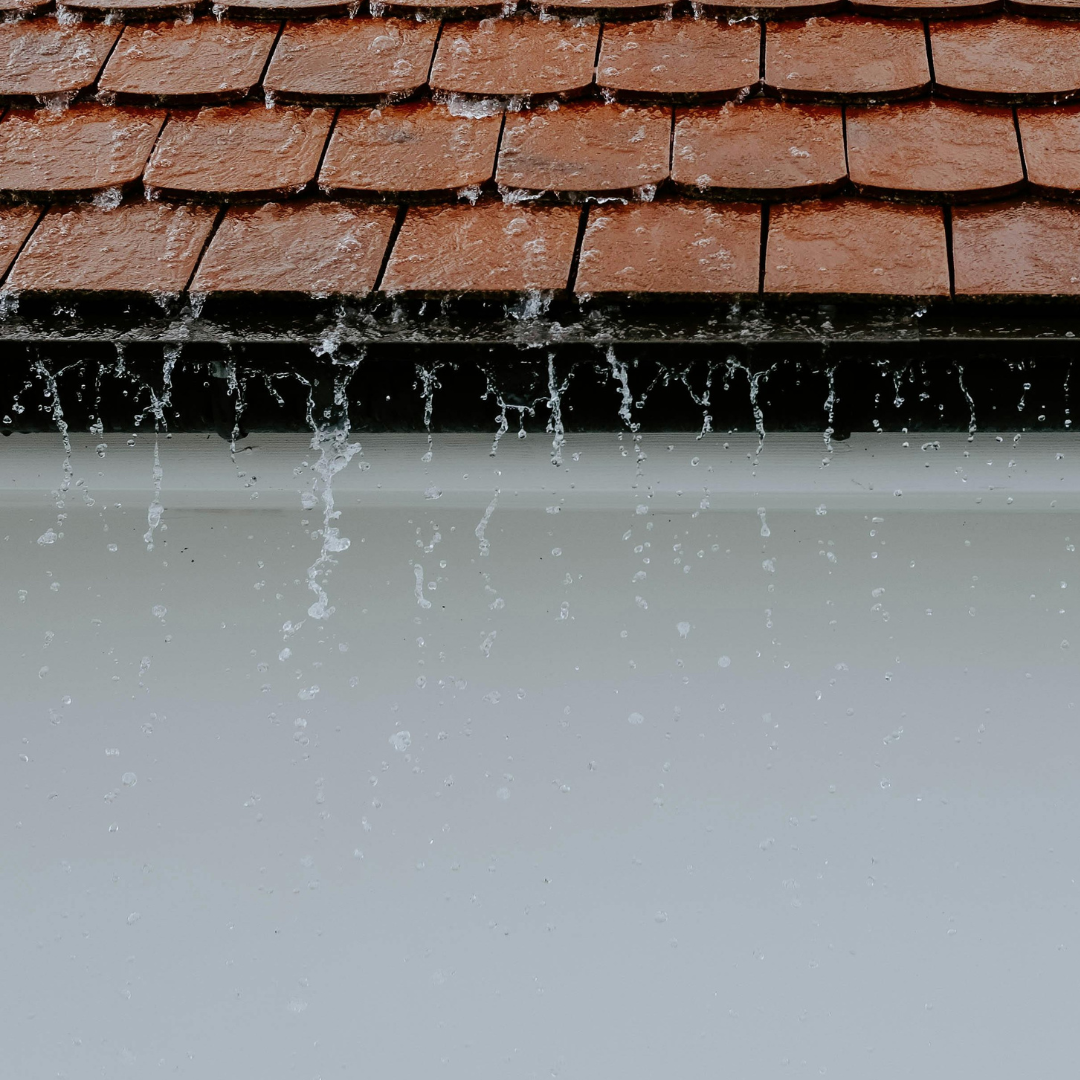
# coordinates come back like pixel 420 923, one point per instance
pixel 636 718
pixel 724 661
pixel 401 741
pixel 129 779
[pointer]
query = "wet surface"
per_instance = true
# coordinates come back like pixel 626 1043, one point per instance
pixel 351 60
pixel 85 149
pixel 787 781
pixel 1051 139
pixel 410 148
pixel 143 247
pixel 928 146
pixel 763 147
pixel 588 147
pixel 854 248
pixel 1011 58
pixel 42 58
pixel 496 249
pixel 670 248
pixel 241 151
pixel 1017 250
pixel 849 57
pixel 317 248
pixel 182 62
pixel 503 58
pixel 682 58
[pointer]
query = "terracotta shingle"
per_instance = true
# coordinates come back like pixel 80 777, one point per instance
pixel 39 58
pixel 763 148
pixel 937 150
pixel 1051 140
pixel 933 9
pixel 847 57
pixel 851 248
pixel 1068 9
pixel 1017 249
pixel 410 149
pixel 773 9
pixel 1007 59
pixel 245 151
pixel 679 59
pixel 188 63
pixel 351 60
pixel 585 148
pixel 141 247
pixel 282 9
pixel 81 150
pixel 515 57
pixel 669 247
pixel 491 248
pixel 320 249
pixel 15 225
pixel 154 9
pixel 615 8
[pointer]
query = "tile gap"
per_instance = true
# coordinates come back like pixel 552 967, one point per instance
pixel 391 243
pixel 761 53
pixel 326 147
pixel 105 62
pixel 947 215
pixel 929 53
pixel 434 53
pixel 576 259
pixel 42 211
pixel 221 212
pixel 259 85
pixel 1020 142
pixel 764 246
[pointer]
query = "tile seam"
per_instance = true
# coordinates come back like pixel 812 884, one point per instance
pixel 575 259
pixel 261 80
pixel 946 212
pixel 391 243
pixel 42 211
pixel 215 225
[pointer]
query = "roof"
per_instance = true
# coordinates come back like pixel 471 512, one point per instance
pixel 918 149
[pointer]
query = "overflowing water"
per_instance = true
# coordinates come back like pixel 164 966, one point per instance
pixel 573 754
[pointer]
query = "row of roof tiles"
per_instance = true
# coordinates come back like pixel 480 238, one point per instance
pixel 917 151
pixel 846 247
pixel 1001 59
pixel 771 9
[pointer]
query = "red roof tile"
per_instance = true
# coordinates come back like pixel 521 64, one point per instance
pixel 616 8
pixel 245 151
pixel 852 248
pixel 143 247
pixel 188 63
pixel 934 9
pixel 410 149
pixel 679 59
pixel 763 148
pixel 82 150
pixel 39 58
pixel 491 248
pixel 670 247
pixel 773 9
pixel 1068 9
pixel 15 225
pixel 321 249
pixel 847 57
pixel 1051 140
pixel 515 57
pixel 1007 59
pixel 351 60
pixel 154 9
pixel 1017 249
pixel 940 150
pixel 585 148
pixel 283 9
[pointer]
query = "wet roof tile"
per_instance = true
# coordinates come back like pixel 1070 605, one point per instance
pixel 931 149
pixel 188 63
pixel 140 247
pixel 522 57
pixel 679 59
pixel 410 149
pixel 672 248
pixel 40 58
pixel 939 9
pixel 847 247
pixel 1051 140
pixel 490 248
pixel 317 248
pixel 635 9
pixel 351 60
pixel 764 148
pixel 243 151
pixel 1007 59
pixel 847 57
pixel 585 148
pixel 1017 249
pixel 127 9
pixel 85 149
pixel 1067 9
pixel 15 225
pixel 283 9
pixel 772 9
